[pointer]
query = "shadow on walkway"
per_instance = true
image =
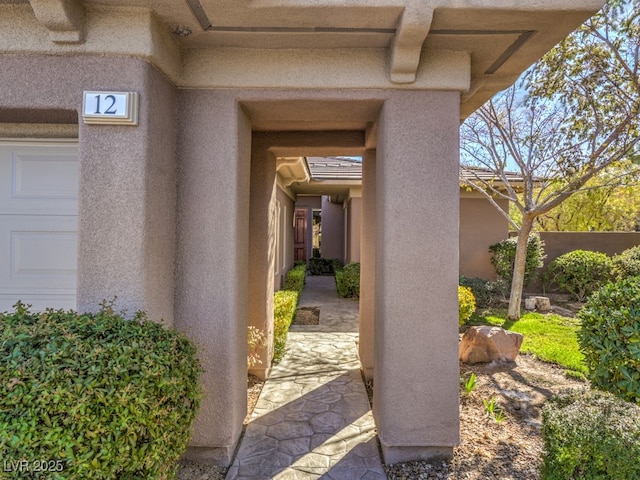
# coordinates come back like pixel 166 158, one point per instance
pixel 312 419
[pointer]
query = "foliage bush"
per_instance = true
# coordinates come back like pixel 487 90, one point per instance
pixel 285 302
pixel 320 266
pixel 590 435
pixel 610 338
pixel 466 304
pixel 504 256
pixel 336 265
pixel 294 280
pixel 284 311
pixel 578 273
pixel 348 281
pixel 103 396
pixel 627 264
pixel 486 293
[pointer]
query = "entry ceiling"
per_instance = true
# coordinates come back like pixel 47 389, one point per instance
pixel 502 37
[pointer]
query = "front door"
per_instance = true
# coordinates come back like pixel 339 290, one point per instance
pixel 300 235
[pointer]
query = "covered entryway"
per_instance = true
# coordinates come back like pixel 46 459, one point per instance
pixel 38 223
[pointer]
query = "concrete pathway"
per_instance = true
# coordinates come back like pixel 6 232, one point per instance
pixel 312 419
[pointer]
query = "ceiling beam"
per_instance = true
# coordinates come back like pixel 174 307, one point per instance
pixel 64 19
pixel 406 48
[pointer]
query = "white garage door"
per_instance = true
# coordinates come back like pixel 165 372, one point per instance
pixel 38 224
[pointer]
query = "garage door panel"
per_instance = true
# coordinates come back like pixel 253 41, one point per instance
pixel 32 258
pixel 38 224
pixel 41 252
pixel 39 180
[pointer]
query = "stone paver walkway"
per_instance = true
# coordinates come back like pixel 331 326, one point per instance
pixel 312 419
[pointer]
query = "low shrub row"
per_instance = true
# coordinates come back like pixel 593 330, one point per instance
pixel 591 435
pixel 101 396
pixel 348 281
pixel 285 302
pixel 581 272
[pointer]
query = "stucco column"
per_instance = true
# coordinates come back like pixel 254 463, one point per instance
pixel 416 323
pixel 262 244
pixel 212 261
pixel 368 263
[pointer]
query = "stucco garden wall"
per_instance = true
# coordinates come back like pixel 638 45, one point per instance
pixel 481 225
pixel 611 243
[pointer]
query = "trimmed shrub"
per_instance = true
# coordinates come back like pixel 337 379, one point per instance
pixel 348 281
pixel 336 265
pixel 320 266
pixel 284 311
pixel 101 396
pixel 285 302
pixel 466 304
pixel 485 292
pixel 610 338
pixel 590 435
pixel 504 257
pixel 294 280
pixel 578 273
pixel 627 264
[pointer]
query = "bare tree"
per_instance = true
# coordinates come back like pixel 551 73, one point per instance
pixel 572 115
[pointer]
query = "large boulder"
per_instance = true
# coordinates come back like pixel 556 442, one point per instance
pixel 486 344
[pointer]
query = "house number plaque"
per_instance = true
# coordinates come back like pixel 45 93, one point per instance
pixel 116 108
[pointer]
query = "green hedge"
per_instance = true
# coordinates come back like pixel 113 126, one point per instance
pixel 285 302
pixel 348 281
pixel 610 338
pixel 103 396
pixel 590 435
pixel 294 280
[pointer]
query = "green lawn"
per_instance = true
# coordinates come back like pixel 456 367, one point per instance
pixel 551 338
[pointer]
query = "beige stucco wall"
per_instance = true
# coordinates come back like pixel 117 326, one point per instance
pixel 611 243
pixel 353 213
pixel 481 225
pixel 332 230
pixel 127 174
pixel 285 244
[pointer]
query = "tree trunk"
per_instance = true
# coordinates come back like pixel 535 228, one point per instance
pixel 517 283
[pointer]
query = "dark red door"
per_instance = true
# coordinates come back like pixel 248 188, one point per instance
pixel 300 235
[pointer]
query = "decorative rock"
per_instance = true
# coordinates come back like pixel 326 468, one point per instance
pixel 543 304
pixel 530 303
pixel 565 312
pixel 485 344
